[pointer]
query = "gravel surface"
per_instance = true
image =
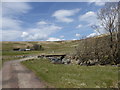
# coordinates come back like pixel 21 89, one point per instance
pixel 15 75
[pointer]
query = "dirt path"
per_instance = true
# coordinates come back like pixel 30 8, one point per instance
pixel 15 75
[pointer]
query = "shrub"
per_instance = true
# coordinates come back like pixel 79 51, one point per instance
pixel 37 47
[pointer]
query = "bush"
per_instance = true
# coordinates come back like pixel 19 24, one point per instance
pixel 37 47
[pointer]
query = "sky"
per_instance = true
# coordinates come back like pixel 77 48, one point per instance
pixel 48 21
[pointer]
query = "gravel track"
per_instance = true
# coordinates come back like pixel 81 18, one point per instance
pixel 15 75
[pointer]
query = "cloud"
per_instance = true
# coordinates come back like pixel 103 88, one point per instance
pixel 101 2
pixel 64 15
pixel 89 17
pixel 41 23
pixel 74 39
pixel 40 32
pixel 14 30
pixel 62 36
pixel 19 1
pixel 15 8
pixel 36 36
pixel 54 39
pixel 8 35
pixel 24 34
pixel 77 35
pixel 95 33
pixel 92 35
pixel 11 24
pixel 97 2
pixel 79 26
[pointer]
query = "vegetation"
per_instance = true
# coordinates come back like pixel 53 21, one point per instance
pixel 109 21
pixel 74 76
pixel 103 50
pixel 0 64
pixel 37 47
pixel 49 48
pixel 97 52
pixel 8 58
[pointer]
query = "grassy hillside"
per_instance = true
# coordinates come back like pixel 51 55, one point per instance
pixel 59 47
pixel 49 47
pixel 94 48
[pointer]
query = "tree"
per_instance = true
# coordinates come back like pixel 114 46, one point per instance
pixel 108 17
pixel 103 50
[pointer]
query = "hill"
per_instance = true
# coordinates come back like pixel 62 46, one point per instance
pixel 56 46
pixel 94 48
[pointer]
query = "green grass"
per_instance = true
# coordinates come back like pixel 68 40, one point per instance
pixel 14 53
pixel 49 48
pixel 74 76
pixel 62 47
pixel 9 58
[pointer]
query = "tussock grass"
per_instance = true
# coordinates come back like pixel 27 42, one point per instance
pixel 74 76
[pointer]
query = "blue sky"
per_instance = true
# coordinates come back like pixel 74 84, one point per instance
pixel 48 21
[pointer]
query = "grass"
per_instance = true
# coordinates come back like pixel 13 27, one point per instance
pixel 49 48
pixel 0 64
pixel 74 76
pixel 14 53
pixel 59 46
pixel 9 58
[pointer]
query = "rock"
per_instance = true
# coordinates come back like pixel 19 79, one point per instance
pixel 56 61
pixel 66 61
pixel 83 84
